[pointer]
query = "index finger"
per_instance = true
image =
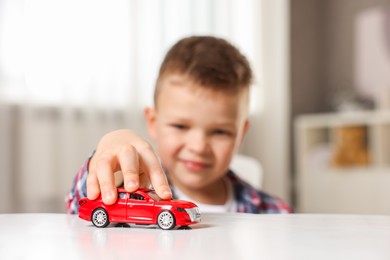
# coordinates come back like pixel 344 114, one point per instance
pixel 155 171
pixel 106 180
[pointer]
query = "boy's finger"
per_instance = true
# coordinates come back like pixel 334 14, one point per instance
pixel 160 184
pixel 128 160
pixel 106 180
pixel 93 189
pixel 156 173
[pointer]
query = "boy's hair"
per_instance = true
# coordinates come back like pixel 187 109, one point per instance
pixel 210 62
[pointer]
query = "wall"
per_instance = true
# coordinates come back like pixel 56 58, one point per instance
pixel 322 51
pixel 339 26
pixel 306 55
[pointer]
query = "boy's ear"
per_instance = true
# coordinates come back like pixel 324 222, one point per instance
pixel 150 116
pixel 245 130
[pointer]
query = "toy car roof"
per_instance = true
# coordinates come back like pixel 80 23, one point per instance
pixel 140 189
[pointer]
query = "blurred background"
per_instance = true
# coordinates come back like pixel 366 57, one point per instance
pixel 70 71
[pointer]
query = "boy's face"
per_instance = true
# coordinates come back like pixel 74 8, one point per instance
pixel 197 131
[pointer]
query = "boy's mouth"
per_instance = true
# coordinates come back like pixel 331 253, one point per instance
pixel 194 165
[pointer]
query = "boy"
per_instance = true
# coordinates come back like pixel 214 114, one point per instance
pixel 198 121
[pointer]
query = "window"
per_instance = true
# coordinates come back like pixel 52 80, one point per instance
pixel 122 195
pixel 135 196
pixel 105 53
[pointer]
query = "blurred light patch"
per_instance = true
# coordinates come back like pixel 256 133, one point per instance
pixel 107 53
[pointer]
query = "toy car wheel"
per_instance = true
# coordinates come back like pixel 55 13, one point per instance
pixel 100 218
pixel 166 220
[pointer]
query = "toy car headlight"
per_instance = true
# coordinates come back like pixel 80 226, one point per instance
pixel 194 214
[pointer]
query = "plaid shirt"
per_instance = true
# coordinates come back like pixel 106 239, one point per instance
pixel 248 199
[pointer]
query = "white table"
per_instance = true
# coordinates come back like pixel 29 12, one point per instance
pixel 219 236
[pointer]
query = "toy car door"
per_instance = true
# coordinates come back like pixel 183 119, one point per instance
pixel 139 209
pixel 117 211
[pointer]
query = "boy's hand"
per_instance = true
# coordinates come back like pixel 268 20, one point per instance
pixel 124 150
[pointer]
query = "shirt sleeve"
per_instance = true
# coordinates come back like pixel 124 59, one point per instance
pixel 271 204
pixel 78 190
pixel 251 200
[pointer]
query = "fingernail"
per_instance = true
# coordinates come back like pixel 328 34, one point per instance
pixel 167 193
pixel 131 184
pixel 108 195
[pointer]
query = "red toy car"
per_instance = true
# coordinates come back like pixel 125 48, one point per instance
pixel 142 206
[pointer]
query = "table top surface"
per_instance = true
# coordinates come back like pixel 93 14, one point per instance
pixel 218 236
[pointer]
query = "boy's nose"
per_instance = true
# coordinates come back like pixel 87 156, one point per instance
pixel 197 142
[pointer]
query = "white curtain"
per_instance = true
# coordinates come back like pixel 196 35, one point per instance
pixel 71 70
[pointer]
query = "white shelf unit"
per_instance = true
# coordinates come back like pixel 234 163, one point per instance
pixel 321 188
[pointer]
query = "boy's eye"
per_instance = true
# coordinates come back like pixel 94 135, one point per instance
pixel 221 132
pixel 179 126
